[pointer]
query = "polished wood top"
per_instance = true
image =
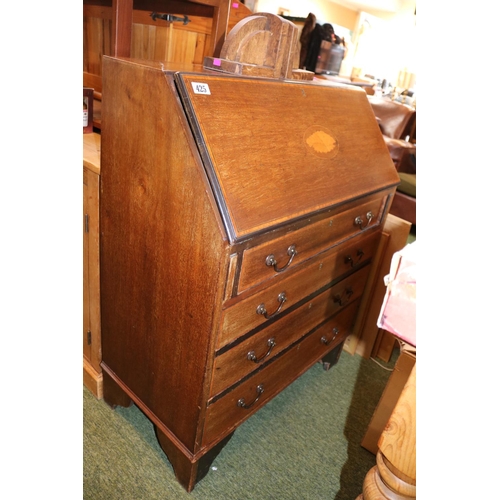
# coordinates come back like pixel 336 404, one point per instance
pixel 92 152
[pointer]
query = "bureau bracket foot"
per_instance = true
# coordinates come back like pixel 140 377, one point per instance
pixel 332 357
pixel 113 394
pixel 189 471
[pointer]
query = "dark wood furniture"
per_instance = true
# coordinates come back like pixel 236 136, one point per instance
pixel 262 45
pixel 239 219
pixel 398 123
pixel 405 207
pixel 404 204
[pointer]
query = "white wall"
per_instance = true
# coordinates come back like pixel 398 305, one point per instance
pixel 386 48
pixel 383 45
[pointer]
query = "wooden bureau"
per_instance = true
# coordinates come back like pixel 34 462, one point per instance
pixel 239 218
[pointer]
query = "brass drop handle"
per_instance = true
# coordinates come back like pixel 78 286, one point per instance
pixel 324 340
pixel 261 309
pixel 252 357
pixel 358 221
pixel 350 260
pixel 241 402
pixel 271 261
pixel 346 295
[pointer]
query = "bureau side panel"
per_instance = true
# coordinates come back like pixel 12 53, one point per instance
pixel 163 255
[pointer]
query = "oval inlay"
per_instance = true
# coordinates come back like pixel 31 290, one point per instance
pixel 321 142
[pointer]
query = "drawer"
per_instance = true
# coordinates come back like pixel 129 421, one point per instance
pixel 283 254
pixel 227 412
pixel 247 314
pixel 231 365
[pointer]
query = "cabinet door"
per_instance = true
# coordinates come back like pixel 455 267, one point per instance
pixel 91 295
pixel 86 308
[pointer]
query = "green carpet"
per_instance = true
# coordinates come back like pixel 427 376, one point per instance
pixel 304 444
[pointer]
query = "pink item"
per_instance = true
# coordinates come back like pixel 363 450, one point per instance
pixel 398 312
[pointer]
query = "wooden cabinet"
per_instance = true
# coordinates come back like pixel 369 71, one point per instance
pixel 92 375
pixel 126 28
pixel 239 220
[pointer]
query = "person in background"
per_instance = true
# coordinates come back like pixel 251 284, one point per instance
pixel 305 38
pixel 319 33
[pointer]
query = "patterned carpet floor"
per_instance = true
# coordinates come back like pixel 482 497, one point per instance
pixel 304 444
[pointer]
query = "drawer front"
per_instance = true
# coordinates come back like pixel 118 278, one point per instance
pixel 282 254
pixel 284 293
pixel 237 405
pixel 235 363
